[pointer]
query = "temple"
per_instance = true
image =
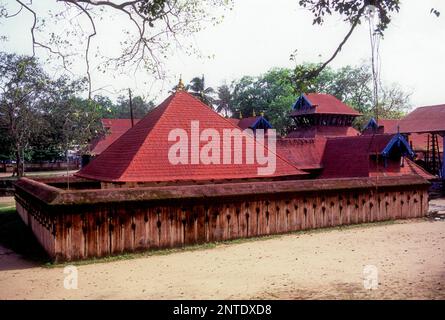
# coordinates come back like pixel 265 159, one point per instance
pixel 185 175
pixel 141 155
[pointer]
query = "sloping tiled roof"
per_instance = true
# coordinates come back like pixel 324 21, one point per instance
pixel 424 119
pixel 303 153
pixel 235 121
pixel 323 131
pixel 141 154
pixel 409 168
pixel 349 156
pixel 389 125
pixel 325 104
pixel 114 129
pixel 248 122
pixel 419 141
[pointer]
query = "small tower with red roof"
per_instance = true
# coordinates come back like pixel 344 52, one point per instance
pixel 322 115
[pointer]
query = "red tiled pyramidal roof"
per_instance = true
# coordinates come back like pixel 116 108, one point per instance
pixel 325 104
pixel 141 154
pixel 114 129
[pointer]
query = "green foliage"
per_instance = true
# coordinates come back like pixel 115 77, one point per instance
pixel 197 88
pixel 351 10
pixel 42 118
pixel 271 93
pixel 24 85
pixel 140 107
pixel 275 91
pixel 224 100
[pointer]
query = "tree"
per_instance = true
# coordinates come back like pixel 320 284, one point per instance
pixel 71 122
pixel 80 124
pixel 155 27
pixel 140 107
pixel 6 151
pixel 224 100
pixel 197 88
pixel 41 118
pixel 350 84
pixel 271 93
pixel 246 96
pixel 23 86
pixel 352 12
pixel 275 92
pixel 108 108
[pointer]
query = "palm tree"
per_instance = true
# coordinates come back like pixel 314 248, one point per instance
pixel 198 89
pixel 223 103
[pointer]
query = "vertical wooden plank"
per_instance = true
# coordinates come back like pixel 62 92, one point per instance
pixel 255 214
pixel 77 239
pixel 273 217
pixel 200 224
pixel 242 219
pixel 139 229
pixel 91 236
pixel 233 221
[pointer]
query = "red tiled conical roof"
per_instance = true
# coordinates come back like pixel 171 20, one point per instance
pixel 141 154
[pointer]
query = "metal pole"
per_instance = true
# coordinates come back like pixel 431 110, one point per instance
pixel 434 160
pixel 443 163
pixel 131 108
pixel 443 155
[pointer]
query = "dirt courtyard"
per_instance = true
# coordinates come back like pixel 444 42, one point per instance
pixel 409 257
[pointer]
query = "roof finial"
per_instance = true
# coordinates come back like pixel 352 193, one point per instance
pixel 253 113
pixel 262 113
pixel 180 86
pixel 240 115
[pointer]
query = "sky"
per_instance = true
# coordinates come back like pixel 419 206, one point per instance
pixel 258 35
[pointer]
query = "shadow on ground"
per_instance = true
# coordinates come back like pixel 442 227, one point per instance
pixel 17 239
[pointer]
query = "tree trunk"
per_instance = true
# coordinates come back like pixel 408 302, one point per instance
pixel 18 162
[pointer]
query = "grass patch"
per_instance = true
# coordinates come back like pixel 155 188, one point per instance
pixel 210 245
pixel 6 207
pixel 16 236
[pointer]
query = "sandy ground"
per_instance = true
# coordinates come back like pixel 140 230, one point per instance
pixel 409 256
